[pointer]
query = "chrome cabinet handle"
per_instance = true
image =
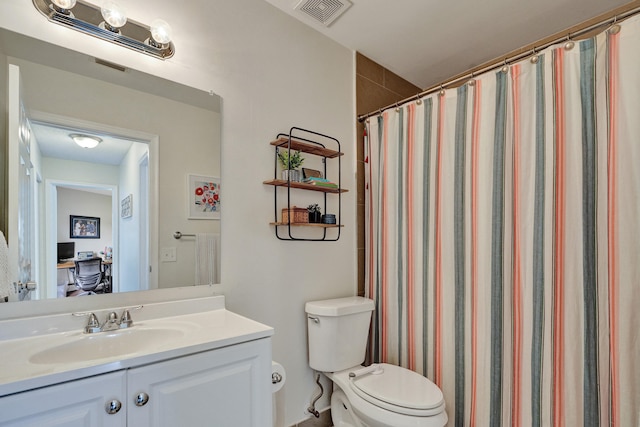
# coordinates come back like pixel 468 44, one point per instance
pixel 141 399
pixel 113 407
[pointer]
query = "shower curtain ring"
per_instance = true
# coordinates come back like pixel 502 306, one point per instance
pixel 442 91
pixel 505 68
pixel 569 44
pixel 615 27
pixel 472 80
pixel 418 100
pixel 397 108
pixel 534 57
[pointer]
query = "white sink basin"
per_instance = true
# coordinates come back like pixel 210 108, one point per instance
pixel 106 344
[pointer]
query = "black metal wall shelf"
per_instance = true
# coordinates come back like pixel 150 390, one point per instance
pixel 317 144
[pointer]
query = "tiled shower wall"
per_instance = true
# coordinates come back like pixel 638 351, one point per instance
pixel 376 87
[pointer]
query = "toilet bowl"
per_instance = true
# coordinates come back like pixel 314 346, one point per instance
pixel 380 395
pixel 385 396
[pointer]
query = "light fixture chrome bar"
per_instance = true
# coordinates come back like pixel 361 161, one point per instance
pixel 87 18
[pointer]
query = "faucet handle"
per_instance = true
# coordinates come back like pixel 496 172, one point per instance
pixel 92 325
pixel 126 320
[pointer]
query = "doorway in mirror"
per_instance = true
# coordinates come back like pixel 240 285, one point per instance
pixel 94 183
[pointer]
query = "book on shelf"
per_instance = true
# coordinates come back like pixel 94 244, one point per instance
pixel 323 184
pixel 314 179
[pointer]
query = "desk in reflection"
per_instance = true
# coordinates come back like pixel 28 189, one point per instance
pixel 66 285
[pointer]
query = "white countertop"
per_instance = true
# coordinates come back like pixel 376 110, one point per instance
pixel 204 324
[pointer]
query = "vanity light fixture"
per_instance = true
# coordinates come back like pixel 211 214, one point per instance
pixel 85 141
pixel 109 22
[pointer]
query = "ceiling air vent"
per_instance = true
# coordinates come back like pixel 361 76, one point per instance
pixel 324 11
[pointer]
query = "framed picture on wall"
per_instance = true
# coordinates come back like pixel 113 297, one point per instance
pixel 203 195
pixel 126 207
pixel 84 227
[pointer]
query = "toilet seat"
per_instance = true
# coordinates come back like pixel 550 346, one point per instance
pixel 399 390
pixel 394 389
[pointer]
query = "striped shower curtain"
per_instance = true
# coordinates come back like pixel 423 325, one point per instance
pixel 503 238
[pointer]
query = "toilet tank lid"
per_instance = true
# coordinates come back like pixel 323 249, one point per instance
pixel 339 306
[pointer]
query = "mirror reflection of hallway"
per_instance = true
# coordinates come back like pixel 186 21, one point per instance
pixel 94 184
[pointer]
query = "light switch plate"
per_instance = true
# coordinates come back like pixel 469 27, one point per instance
pixel 168 254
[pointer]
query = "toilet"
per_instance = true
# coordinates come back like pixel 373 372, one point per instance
pixel 380 395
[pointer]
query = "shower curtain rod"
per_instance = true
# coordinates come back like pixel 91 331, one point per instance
pixel 493 65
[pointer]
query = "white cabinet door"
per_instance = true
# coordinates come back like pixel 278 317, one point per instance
pixel 78 403
pixel 227 387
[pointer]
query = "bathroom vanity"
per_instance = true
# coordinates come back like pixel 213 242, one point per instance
pixel 186 362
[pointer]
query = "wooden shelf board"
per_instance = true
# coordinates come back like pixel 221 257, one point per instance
pixel 306 147
pixel 303 186
pixel 306 224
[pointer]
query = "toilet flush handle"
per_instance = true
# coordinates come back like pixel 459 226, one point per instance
pixel 315 319
pixel 373 369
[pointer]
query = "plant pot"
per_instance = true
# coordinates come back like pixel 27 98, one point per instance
pixel 292 175
pixel 314 217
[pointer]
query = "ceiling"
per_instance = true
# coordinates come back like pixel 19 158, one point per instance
pixel 427 41
pixel 54 141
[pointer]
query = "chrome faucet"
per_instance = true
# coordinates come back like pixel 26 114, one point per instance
pixel 111 323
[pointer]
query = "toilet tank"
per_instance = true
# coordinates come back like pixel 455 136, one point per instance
pixel 338 331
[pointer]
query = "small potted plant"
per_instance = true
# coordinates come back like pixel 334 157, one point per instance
pixel 314 213
pixel 290 164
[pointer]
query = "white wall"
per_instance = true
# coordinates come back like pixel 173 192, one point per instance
pixel 3 145
pixel 78 172
pixel 272 73
pixel 129 236
pixel 192 150
pixel 84 203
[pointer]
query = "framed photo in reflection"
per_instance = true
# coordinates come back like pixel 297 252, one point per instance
pixel 84 227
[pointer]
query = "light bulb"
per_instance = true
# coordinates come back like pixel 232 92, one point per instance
pixel 64 4
pixel 160 31
pixel 114 15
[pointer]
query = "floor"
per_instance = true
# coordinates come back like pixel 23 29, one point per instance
pixel 323 421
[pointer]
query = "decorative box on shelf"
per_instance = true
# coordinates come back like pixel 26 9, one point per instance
pixel 298 215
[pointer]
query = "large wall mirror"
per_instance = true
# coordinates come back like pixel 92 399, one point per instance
pixel 155 172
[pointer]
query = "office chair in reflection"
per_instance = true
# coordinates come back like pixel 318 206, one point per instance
pixel 88 276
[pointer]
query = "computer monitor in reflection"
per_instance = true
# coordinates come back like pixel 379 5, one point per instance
pixel 66 251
